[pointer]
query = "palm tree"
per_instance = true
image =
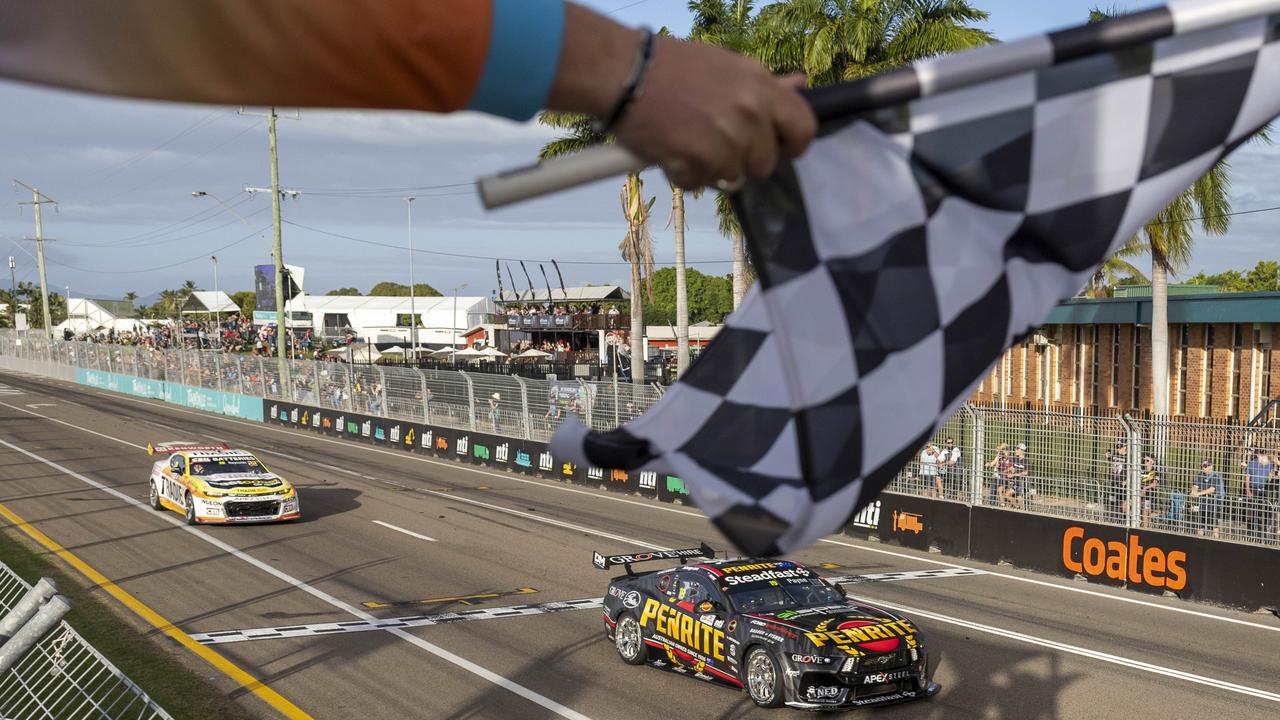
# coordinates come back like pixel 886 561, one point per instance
pixel 682 283
pixel 130 296
pixel 835 40
pixel 1116 268
pixel 637 245
pixel 728 24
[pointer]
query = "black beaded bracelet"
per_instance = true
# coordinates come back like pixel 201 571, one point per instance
pixel 644 59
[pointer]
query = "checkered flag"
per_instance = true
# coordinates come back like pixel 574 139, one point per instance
pixel 944 210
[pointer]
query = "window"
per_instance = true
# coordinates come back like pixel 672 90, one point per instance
pixel 1184 338
pixel 1237 368
pixel 1137 367
pixel 1206 408
pixel 1093 373
pixel 1115 364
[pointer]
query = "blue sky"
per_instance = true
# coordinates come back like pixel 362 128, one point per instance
pixel 123 172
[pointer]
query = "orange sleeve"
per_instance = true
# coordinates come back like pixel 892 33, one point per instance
pixel 419 54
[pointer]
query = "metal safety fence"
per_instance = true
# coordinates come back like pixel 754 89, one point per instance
pixel 64 678
pixel 1195 476
pixel 1071 463
pixel 507 404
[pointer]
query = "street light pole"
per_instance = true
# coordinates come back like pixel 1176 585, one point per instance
pixel 13 298
pixel 217 306
pixel 454 321
pixel 413 313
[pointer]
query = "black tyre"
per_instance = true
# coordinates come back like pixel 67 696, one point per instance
pixel 629 640
pixel 763 678
pixel 153 497
pixel 190 509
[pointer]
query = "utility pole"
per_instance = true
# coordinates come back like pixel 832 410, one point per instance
pixel 38 199
pixel 277 251
pixel 413 314
pixel 13 297
pixel 216 293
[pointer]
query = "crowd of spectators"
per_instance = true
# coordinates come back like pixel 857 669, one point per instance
pixel 232 333
pixel 530 309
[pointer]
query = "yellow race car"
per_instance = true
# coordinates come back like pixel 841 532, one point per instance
pixel 212 483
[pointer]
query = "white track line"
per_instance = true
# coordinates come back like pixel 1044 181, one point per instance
pixel 399 529
pixel 651 505
pixel 465 664
pixel 1085 652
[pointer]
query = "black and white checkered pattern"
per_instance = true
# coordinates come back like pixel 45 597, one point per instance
pixel 913 243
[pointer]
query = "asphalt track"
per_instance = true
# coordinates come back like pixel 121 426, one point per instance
pixel 316 609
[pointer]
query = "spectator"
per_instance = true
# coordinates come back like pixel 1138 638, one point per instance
pixel 494 399
pixel 929 459
pixel 950 471
pixel 999 466
pixel 1207 493
pixel 1117 498
pixel 1150 480
pixel 1016 489
pixel 1259 474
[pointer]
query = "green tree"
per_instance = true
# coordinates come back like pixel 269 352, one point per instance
pixel 246 300
pixel 388 288
pixel 343 291
pixel 710 297
pixel 1264 277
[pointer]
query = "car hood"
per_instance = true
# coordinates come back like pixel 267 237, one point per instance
pixel 849 625
pixel 266 482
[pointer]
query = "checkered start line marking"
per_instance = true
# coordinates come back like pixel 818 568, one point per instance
pixel 412 621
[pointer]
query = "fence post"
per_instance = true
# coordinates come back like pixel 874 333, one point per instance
pixel 524 407
pixel 426 393
pixel 471 399
pixel 26 607
pixel 49 614
pixel 1133 473
pixel 351 388
pixel 977 441
pixel 382 399
pixel 217 364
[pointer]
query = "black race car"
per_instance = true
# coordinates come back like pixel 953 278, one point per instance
pixel 772 627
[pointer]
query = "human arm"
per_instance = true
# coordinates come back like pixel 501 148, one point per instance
pixel 703 113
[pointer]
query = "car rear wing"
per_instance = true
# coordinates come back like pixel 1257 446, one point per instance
pixel 173 446
pixel 604 562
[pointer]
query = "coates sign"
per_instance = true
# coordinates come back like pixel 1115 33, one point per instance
pixel 1128 562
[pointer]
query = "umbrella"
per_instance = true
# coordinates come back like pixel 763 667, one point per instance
pixel 442 353
pixel 469 354
pixel 493 352
pixel 532 353
pixel 394 350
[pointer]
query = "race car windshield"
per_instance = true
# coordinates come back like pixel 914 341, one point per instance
pixel 227 467
pixel 790 594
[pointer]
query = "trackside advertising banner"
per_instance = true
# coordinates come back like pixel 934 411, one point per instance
pixel 1149 561
pixel 214 401
pixel 527 457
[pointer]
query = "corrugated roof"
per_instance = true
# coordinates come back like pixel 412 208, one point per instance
pixel 1259 307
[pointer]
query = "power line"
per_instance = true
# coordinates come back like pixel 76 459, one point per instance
pixel 201 256
pixel 139 157
pixel 487 258
pixel 209 213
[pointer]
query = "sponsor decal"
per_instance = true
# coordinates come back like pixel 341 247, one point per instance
pixel 353 427
pixel 462 445
pixel 545 461
pixel 618 476
pixel 812 659
pixel 502 452
pixel 380 434
pixel 442 443
pixel 568 469
pixel 595 473
pixel 316 420
pixel 523 459
pixel 394 435
pixel 884 677
pixel 823 692
pixel 480 452
pixel 676 485
pixel 648 480
pixel 766 575
pixel 1126 562
pixel 680 627
pixel 326 423
pixel 408 437
pixel 340 423
pixel 306 418
pixel 706 606
pixel 878 699
pixel 631 600
pixel 366 428
pixel 868 635
pixel 733 625
pixel 868 516
pixel 907 522
pixel 429 439
pixel 605 561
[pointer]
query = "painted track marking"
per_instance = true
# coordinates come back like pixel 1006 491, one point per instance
pixel 399 529
pixel 465 664
pixel 316 629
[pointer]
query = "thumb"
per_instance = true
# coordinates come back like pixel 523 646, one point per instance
pixel 797 81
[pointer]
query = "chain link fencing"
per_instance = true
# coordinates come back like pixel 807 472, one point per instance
pixel 64 678
pixel 1075 464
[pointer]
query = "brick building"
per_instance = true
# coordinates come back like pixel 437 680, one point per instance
pixel 1096 354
